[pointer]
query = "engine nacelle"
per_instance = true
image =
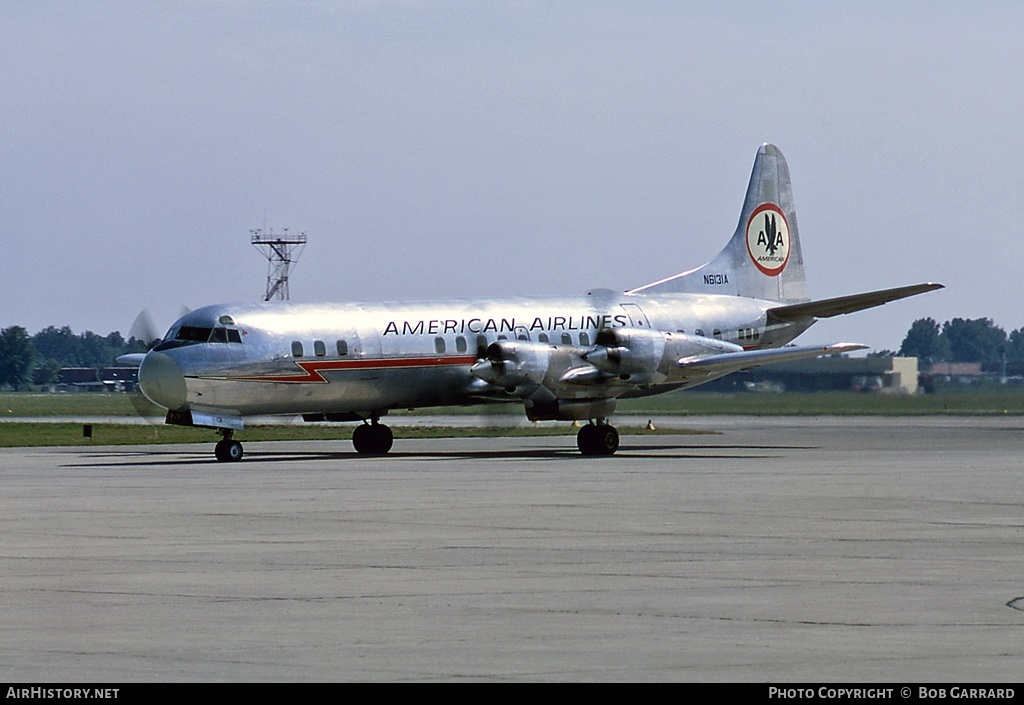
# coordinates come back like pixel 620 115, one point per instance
pixel 627 352
pixel 642 355
pixel 519 366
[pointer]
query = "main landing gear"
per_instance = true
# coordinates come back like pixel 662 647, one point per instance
pixel 227 450
pixel 372 438
pixel 598 438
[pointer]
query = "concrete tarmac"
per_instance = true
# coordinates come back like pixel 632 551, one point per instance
pixel 779 550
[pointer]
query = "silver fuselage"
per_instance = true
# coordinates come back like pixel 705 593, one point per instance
pixel 367 358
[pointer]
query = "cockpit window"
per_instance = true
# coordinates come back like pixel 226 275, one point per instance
pixel 193 334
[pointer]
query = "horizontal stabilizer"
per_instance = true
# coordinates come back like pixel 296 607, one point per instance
pixel 717 365
pixel 826 308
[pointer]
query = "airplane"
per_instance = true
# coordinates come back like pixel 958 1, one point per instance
pixel 568 358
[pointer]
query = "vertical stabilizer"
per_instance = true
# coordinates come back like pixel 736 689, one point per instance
pixel 763 259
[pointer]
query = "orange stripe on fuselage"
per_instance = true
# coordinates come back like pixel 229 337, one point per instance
pixel 313 368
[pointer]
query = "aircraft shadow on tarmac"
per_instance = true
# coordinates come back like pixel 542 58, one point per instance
pixel 134 457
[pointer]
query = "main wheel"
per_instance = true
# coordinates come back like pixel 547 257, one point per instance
pixel 600 439
pixel 227 451
pixel 383 440
pixel 607 440
pixel 586 439
pixel 372 439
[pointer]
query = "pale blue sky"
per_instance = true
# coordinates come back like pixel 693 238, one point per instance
pixel 443 149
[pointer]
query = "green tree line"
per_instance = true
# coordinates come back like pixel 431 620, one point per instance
pixel 53 348
pixel 962 340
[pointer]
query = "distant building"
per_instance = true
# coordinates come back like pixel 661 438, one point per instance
pixel 103 379
pixel 955 369
pixel 962 373
pixel 825 374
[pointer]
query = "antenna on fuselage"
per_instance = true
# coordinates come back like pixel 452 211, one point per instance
pixel 281 251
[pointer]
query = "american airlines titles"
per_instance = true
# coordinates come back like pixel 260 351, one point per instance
pixel 439 326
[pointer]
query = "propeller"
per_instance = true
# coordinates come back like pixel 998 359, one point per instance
pixel 496 411
pixel 143 329
pixel 144 333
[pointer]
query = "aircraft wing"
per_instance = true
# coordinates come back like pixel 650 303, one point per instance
pixel 826 308
pixel 725 363
pixel 131 359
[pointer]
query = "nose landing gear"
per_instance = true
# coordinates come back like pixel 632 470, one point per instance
pixel 227 450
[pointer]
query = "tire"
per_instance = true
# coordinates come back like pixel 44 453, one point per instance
pixel 598 440
pixel 385 439
pixel 586 440
pixel 607 440
pixel 361 440
pixel 228 451
pixel 372 439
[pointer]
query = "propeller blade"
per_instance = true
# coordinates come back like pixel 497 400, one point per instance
pixel 145 332
pixel 143 329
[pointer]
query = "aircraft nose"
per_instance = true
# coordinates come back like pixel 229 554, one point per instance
pixel 160 379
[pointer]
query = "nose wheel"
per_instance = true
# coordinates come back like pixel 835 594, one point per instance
pixel 372 439
pixel 598 439
pixel 228 451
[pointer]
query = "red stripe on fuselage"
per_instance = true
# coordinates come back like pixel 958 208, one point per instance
pixel 313 368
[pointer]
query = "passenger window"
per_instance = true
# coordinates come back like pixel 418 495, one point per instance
pixel 584 340
pixel 481 346
pixel 542 338
pixel 439 344
pixel 460 344
pixel 566 339
pixel 717 333
pixel 296 349
pixel 342 348
pixel 319 349
pixel 699 332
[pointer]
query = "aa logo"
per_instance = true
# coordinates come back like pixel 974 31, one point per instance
pixel 768 239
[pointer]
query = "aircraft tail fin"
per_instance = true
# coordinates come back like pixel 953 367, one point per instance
pixel 763 260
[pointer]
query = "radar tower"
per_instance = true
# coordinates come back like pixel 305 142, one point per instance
pixel 281 251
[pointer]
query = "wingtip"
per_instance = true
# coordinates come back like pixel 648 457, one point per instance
pixel 845 347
